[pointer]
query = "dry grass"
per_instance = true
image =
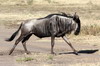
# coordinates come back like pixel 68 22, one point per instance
pixel 35 57
pixel 91 30
pixel 31 2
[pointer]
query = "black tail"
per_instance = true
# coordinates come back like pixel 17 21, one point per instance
pixel 14 34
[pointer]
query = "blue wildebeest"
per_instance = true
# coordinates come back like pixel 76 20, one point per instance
pixel 53 25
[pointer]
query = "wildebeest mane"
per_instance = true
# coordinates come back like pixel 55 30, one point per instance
pixel 59 14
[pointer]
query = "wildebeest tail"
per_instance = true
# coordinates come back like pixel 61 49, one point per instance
pixel 14 34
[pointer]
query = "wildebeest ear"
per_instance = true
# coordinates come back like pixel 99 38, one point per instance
pixel 75 14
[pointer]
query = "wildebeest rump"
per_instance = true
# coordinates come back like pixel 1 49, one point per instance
pixel 55 25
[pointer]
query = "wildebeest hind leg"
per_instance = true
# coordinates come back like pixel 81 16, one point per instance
pixel 24 43
pixel 16 42
pixel 65 39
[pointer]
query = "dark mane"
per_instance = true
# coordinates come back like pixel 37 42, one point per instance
pixel 61 14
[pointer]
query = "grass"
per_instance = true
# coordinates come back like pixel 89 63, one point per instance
pixel 24 59
pixel 91 30
pixel 50 57
pixel 30 2
pixel 35 56
pixel 49 1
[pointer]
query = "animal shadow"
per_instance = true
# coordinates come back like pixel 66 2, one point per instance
pixel 82 52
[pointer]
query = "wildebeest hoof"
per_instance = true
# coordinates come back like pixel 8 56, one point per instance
pixel 76 53
pixel 53 53
pixel 28 52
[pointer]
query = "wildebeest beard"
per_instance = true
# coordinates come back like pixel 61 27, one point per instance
pixel 56 26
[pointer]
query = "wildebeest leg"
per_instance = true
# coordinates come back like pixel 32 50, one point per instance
pixel 16 42
pixel 52 44
pixel 24 43
pixel 65 39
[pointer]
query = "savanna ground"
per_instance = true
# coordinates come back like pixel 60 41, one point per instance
pixel 89 39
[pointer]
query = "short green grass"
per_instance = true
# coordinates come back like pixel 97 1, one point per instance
pixel 50 57
pixel 24 59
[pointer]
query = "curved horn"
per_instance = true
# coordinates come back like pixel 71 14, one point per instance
pixel 75 13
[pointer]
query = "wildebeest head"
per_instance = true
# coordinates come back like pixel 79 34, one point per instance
pixel 77 20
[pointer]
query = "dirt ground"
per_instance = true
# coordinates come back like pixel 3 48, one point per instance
pixel 40 51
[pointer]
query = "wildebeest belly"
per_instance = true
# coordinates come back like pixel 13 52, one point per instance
pixel 41 32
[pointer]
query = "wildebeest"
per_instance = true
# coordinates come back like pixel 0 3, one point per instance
pixel 53 25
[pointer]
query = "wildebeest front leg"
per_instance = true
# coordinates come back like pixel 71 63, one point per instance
pixel 52 44
pixel 65 39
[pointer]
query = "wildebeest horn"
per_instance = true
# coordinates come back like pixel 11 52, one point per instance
pixel 75 13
